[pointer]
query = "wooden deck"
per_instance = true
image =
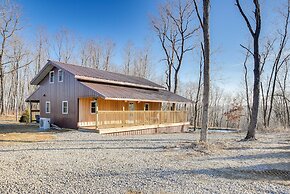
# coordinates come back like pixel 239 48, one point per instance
pixel 143 129
pixel 131 119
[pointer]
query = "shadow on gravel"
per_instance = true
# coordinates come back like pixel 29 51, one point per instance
pixel 276 171
pixel 126 140
pixel 260 148
pixel 277 148
pixel 255 172
pixel 255 156
pixel 85 148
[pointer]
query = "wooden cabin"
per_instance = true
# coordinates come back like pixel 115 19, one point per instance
pixel 80 97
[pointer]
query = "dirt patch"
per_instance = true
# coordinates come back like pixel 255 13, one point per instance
pixel 12 132
pixel 7 126
pixel 25 137
pixel 9 118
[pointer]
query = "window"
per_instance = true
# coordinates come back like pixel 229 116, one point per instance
pixel 51 77
pixel 146 106
pixel 60 75
pixel 64 107
pixel 93 107
pixel 47 107
pixel 131 106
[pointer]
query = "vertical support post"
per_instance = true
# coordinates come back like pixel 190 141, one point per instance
pixel 30 112
pixel 124 116
pixel 144 114
pixel 174 113
pixel 97 114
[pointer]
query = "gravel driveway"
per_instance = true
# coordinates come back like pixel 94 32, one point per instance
pixel 85 162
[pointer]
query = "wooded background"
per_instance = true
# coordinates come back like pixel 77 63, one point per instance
pixel 178 29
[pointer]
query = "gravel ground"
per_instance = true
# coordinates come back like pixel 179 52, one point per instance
pixel 85 162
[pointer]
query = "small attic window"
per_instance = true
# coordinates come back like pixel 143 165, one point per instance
pixel 60 75
pixel 51 77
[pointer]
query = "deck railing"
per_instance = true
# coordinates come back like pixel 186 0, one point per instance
pixel 113 119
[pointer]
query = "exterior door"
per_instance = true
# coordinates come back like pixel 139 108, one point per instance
pixel 131 115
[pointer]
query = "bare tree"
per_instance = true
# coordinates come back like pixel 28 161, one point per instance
pixel 128 57
pixel 182 18
pixel 266 88
pixel 166 30
pixel 109 49
pixel 18 55
pixel 247 84
pixel 256 55
pixel 9 24
pixel 64 45
pixel 197 93
pixel 279 62
pixel 282 85
pixel 175 30
pixel 91 53
pixel 142 62
pixel 42 50
pixel 204 23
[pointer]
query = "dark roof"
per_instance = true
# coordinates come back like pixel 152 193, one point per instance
pixel 86 73
pixel 114 92
pixel 114 86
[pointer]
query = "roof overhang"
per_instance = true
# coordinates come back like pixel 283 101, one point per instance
pixel 125 93
pixel 41 75
pixel 144 100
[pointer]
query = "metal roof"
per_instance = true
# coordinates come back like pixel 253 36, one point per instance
pixel 112 86
pixel 91 74
pixel 115 92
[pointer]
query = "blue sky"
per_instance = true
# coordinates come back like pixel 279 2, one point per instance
pixel 127 20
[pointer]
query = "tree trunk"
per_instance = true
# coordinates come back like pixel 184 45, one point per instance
pixel 256 92
pixel 2 81
pixel 206 75
pixel 197 95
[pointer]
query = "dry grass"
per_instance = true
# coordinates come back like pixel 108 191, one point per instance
pixel 25 137
pixel 15 132
pixel 11 118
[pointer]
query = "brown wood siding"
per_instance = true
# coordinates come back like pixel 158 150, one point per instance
pixel 68 90
pixel 109 105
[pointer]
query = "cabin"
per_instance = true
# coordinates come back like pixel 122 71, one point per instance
pixel 79 97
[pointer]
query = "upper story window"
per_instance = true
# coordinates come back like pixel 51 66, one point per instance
pixel 146 106
pixel 51 77
pixel 93 107
pixel 60 75
pixel 64 107
pixel 47 107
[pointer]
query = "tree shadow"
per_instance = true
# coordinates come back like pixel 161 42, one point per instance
pixel 260 148
pixel 254 172
pixel 283 154
pixel 12 127
pixel 144 140
pixel 84 148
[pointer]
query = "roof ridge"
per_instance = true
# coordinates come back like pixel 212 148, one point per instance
pixel 101 70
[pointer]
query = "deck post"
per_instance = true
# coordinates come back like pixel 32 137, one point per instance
pixel 124 116
pixel 97 114
pixel 143 115
pixel 174 112
pixel 30 112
